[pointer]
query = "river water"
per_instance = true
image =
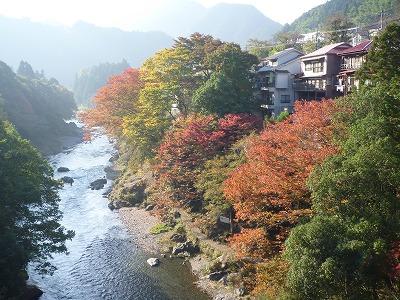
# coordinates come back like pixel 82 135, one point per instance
pixel 103 261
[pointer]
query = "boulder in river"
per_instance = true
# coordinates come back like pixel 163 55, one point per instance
pixel 62 170
pixel 98 184
pixel 67 179
pixel 154 262
pixel 117 204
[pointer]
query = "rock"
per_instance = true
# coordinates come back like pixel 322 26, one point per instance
pixel 111 172
pixel 98 184
pixel 67 179
pixel 216 276
pixel 111 206
pixel 178 238
pixel 107 192
pixel 186 247
pixel 183 254
pixel 240 292
pixel 149 207
pixel 114 157
pixel 154 262
pixel 223 280
pixel 32 292
pixel 119 204
pixel 63 169
pixel 177 214
pixel 195 205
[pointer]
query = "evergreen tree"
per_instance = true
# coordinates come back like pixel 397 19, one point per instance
pixel 346 250
pixel 29 214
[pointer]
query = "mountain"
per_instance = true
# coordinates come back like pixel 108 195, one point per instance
pixel 229 22
pixel 64 51
pixel 359 12
pixel 89 80
pixel 37 107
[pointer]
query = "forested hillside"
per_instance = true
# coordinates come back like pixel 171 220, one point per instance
pixel 37 107
pixel 359 12
pixel 63 51
pixel 89 80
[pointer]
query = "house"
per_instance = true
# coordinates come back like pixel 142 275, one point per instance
pixel 319 71
pixel 274 81
pixel 351 60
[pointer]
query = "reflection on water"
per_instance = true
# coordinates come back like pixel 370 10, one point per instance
pixel 104 263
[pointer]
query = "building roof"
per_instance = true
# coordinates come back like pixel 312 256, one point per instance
pixel 329 49
pixel 360 48
pixel 282 53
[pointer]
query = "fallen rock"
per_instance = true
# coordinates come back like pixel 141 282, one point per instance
pixel 67 179
pixel 119 204
pixel 149 207
pixel 154 262
pixel 63 169
pixel 216 276
pixel 98 184
pixel 178 238
pixel 186 247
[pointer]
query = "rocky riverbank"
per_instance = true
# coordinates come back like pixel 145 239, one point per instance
pixel 140 222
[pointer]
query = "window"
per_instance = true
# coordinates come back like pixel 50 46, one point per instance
pixel 314 66
pixel 285 98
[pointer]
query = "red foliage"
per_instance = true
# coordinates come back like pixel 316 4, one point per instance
pixel 251 243
pixel 193 141
pixel 394 256
pixel 270 189
pixel 114 101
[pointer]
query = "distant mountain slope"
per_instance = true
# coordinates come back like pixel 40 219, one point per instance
pixel 358 11
pixel 37 107
pixel 230 22
pixel 63 51
pixel 237 22
pixel 89 80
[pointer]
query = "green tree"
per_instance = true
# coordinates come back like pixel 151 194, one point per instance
pixel 344 251
pixel 337 26
pixel 259 48
pixel 29 214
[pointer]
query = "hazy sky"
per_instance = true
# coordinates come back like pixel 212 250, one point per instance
pixel 123 13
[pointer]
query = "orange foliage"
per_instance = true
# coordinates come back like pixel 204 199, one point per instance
pixel 270 189
pixel 250 243
pixel 114 101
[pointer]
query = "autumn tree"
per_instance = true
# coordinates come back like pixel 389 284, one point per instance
pixel 117 99
pixel 269 191
pixel 190 143
pixel 176 75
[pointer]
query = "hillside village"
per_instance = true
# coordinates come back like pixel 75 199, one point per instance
pixel 289 75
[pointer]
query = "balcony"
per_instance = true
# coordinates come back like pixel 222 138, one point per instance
pixel 308 87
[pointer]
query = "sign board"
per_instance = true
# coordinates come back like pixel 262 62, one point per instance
pixel 225 220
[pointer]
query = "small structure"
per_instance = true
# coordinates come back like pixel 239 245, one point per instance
pixel 351 60
pixel 274 81
pixel 319 73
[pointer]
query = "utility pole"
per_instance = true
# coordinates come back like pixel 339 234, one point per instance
pixel 382 19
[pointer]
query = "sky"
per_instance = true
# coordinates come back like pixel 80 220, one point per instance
pixel 124 13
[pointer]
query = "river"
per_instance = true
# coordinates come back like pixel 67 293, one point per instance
pixel 103 261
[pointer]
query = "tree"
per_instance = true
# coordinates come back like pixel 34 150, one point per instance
pixel 29 214
pixel 269 190
pixel 114 101
pixel 356 196
pixel 337 26
pixel 259 48
pixel 193 141
pixel 175 75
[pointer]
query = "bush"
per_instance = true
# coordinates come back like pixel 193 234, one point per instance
pixel 160 228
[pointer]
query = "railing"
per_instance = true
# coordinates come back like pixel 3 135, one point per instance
pixel 302 86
